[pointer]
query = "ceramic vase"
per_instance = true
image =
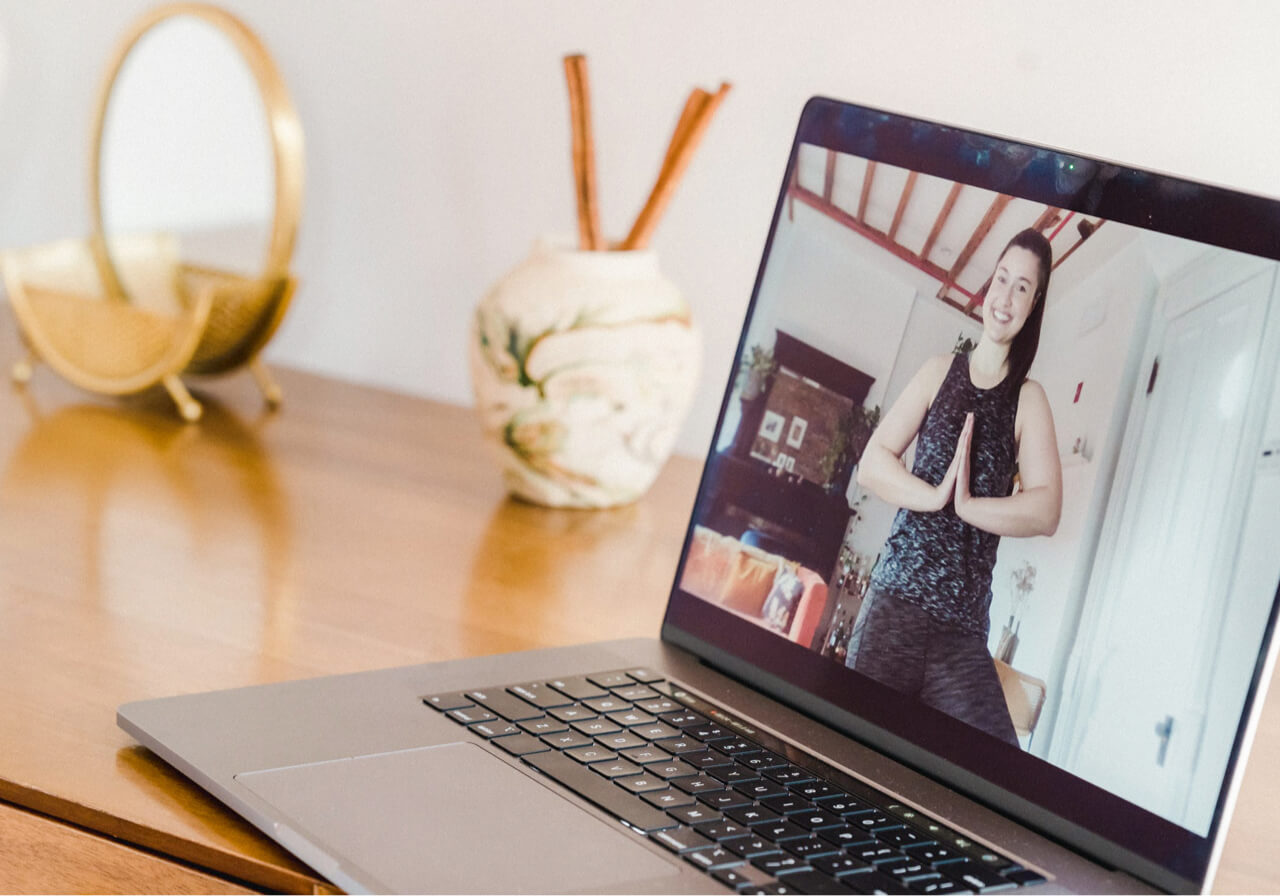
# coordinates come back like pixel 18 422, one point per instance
pixel 583 365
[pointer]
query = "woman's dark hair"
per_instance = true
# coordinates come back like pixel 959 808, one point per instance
pixel 1023 350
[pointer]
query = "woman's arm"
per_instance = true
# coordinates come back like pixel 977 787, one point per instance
pixel 881 470
pixel 1036 508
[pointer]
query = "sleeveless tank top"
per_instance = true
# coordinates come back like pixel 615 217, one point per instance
pixel 936 560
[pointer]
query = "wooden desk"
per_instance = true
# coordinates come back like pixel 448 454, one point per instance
pixel 356 529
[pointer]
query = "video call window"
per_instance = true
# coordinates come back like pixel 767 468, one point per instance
pixel 1111 622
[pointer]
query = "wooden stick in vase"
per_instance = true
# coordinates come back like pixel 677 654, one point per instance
pixel 584 163
pixel 698 111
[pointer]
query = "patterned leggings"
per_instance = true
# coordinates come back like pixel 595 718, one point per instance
pixel 901 645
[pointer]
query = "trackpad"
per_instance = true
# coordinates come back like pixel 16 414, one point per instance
pixel 451 819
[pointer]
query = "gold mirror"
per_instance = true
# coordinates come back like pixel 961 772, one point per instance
pixel 196 175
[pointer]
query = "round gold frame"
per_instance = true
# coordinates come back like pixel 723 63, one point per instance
pixel 100 337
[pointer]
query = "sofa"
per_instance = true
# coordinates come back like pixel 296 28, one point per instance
pixel 768 589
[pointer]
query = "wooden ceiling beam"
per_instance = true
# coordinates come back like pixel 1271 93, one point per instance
pixel 1047 218
pixel 907 189
pixel 865 198
pixel 840 216
pixel 829 180
pixel 941 221
pixel 975 239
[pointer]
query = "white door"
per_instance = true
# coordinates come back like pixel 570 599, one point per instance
pixel 1160 599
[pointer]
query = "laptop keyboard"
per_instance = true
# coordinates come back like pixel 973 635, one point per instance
pixel 724 797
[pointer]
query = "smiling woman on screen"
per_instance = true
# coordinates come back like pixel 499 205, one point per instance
pixel 976 419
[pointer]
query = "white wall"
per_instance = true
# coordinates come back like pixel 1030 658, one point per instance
pixel 438 137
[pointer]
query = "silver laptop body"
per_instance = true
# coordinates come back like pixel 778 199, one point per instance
pixel 1127 645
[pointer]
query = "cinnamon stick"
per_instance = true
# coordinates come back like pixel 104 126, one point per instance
pixel 584 165
pixel 697 114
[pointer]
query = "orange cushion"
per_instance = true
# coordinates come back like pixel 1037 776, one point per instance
pixel 749 581
pixel 705 569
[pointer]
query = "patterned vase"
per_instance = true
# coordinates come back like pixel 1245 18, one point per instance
pixel 583 365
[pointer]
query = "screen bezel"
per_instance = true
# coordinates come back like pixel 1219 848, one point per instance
pixel 1031 790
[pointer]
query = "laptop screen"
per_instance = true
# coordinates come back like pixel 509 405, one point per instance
pixel 997 473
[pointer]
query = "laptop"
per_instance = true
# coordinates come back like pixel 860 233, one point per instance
pixel 943 621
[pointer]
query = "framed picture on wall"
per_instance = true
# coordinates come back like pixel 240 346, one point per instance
pixel 795 434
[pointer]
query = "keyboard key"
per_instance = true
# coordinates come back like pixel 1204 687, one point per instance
pixel 938 885
pixel 808 880
pixel 816 819
pixel 659 705
pixel 761 790
pixel 593 753
pixel 644 675
pixel 722 829
pixel 498 728
pixel 847 835
pixel 681 839
pixel 974 874
pixel 608 703
pixel 932 853
pixel 572 713
pixel 762 760
pixel 609 680
pixel 733 774
pixel 566 740
pixel 780 831
pixel 786 803
pixel 843 804
pixel 629 717
pixel 655 731
pixel 636 692
pixel 814 790
pixel 737 746
pixel 619 768
pixel 623 740
pixel 873 851
pixel 508 706
pixel 668 799
pixel 750 846
pixel 809 847
pixel 695 814
pixel 705 759
pixel 710 858
pixel 722 800
pixel 544 725
pixel 520 744
pixel 874 882
pixel 752 815
pixel 640 783
pixel 683 718
pixel 650 755
pixel 788 774
pixel 540 695
pixel 445 702
pixel 600 791
pixel 838 864
pixel 670 770
pixel 903 868
pixel 698 784
pixel 778 863
pixel 709 732
pixel 593 727
pixel 872 821
pixel 679 745
pixel 471 714
pixel 740 876
pixel 578 688
pixel 903 836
